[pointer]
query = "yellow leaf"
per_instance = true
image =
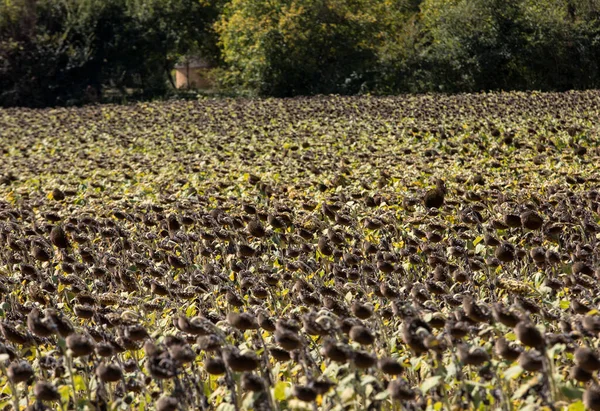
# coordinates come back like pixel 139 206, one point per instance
pixel 191 310
pixel 79 382
pixel 65 393
pixel 280 389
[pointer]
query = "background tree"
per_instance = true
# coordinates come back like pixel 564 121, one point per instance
pixel 55 51
pixel 290 47
pixel 72 51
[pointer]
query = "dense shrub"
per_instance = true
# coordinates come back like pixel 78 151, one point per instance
pixel 60 52
pixel 296 47
pixel 290 47
pixel 71 51
pixel 521 44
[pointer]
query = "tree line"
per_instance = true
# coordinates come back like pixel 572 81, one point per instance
pixel 60 52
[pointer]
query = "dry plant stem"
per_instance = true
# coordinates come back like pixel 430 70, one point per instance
pixel 457 364
pixel 383 331
pixel 358 385
pixel 549 375
pixel 27 396
pixel 267 370
pixel 338 399
pixel 315 348
pixel 13 388
pixel 120 362
pixel 239 394
pixel 111 394
pixel 411 376
pixel 214 300
pixel 309 357
pixel 203 401
pixel 440 373
pixel 503 389
pixel 231 385
pixel 307 372
pixel 39 355
pixel 71 374
pixel 86 379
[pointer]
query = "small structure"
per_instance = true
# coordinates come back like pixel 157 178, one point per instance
pixel 193 72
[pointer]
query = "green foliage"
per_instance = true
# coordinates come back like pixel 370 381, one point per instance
pixel 292 47
pixel 63 51
pixel 57 52
pixel 466 45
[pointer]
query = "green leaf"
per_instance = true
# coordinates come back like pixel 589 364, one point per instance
pixel 450 370
pixel 347 395
pixel 521 391
pixel 429 383
pixel 477 240
pixel 479 248
pixel 348 379
pixel 564 304
pixel 572 393
pixel 556 349
pixel 513 372
pixel 367 379
pixel 369 390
